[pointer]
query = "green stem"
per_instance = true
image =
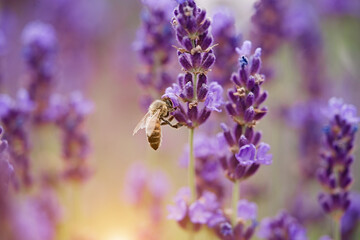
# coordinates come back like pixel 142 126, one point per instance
pixel 337 229
pixel 235 199
pixel 191 167
pixel 195 87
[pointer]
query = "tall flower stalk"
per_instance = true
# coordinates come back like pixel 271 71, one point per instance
pixel 195 56
pixel 247 153
pixel 335 172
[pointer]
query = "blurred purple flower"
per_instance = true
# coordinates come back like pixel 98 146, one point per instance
pixel 225 35
pixel 335 172
pixel 281 227
pixel 246 210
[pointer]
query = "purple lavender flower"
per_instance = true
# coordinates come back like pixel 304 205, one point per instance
pixel 225 35
pixel 268 20
pixel 350 222
pixel 75 140
pixel 281 227
pixel 207 152
pixel 6 168
pixel 143 188
pixel 196 58
pixel 39 42
pixel 246 210
pixel 15 118
pixel 245 110
pixel 154 43
pixel 205 211
pixel 335 173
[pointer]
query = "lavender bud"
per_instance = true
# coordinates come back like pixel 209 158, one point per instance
pixel 189 90
pixel 204 115
pixel 235 79
pixel 208 62
pixel 249 132
pixel 251 83
pixel 187 43
pixel 261 114
pixel 206 42
pixel 243 76
pixel 257 138
pixel 249 99
pixel 205 26
pixel 255 65
pixel 262 98
pixel 202 80
pixel 193 113
pixel 238 131
pixel 196 60
pixel 230 109
pixel 188 78
pixel 243 141
pixel 229 139
pixel 202 92
pixel 249 114
pixel 181 81
pixel 201 17
pixel 184 62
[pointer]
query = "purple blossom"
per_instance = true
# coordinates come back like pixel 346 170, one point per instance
pixel 225 35
pixel 281 227
pixel 207 152
pixel 178 211
pixel 246 210
pixel 196 99
pixel 335 172
pixel 15 119
pixel 348 112
pixel 154 42
pixel 268 20
pixel 39 44
pixel 135 183
pixel 38 36
pixel 198 213
pixel 6 168
pixel 213 99
pixel 350 222
pixel 245 110
pixel 261 155
pixel 246 155
pixel 75 142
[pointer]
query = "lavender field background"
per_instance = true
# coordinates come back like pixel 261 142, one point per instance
pixel 119 188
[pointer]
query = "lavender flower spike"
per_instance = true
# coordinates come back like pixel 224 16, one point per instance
pixel 196 57
pixel 281 227
pixel 154 42
pixel 335 173
pixel 39 46
pixel 244 107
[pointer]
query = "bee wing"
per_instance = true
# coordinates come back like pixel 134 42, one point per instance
pixel 151 123
pixel 142 123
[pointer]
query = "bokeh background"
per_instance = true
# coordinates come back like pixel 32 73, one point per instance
pixel 96 55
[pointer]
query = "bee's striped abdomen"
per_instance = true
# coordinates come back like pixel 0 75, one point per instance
pixel 155 138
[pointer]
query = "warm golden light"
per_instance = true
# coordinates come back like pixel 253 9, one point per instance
pixel 119 236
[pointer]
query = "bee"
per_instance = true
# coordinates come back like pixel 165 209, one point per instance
pixel 157 115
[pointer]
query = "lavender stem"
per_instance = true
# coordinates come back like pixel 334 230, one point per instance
pixel 235 199
pixel 337 229
pixel 191 169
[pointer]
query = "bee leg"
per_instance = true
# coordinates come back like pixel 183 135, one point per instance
pixel 166 122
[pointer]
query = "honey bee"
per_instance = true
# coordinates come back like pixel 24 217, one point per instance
pixel 157 115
